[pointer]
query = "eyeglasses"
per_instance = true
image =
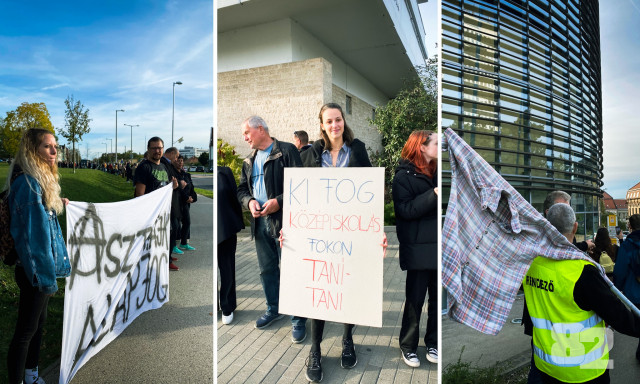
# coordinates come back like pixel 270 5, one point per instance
pixel 156 148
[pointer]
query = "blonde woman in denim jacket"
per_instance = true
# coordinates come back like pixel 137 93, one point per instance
pixel 35 202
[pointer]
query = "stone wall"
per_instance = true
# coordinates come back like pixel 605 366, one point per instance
pixel 288 96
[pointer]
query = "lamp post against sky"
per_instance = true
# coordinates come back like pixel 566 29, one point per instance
pixel 173 108
pixel 117 110
pixel 131 126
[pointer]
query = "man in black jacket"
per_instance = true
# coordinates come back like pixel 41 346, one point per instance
pixel 260 191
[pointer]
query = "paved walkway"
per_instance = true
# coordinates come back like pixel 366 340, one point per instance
pixel 249 355
pixel 513 348
pixel 172 344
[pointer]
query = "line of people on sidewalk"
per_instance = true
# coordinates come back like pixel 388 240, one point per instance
pixel 159 168
pixel 260 192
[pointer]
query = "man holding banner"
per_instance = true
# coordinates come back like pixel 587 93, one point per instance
pixel 260 191
pixel 153 174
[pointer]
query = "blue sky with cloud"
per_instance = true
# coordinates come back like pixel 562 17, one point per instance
pixel 620 49
pixel 112 55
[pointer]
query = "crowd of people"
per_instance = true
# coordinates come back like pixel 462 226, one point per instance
pixel 159 168
pixel 260 192
pixel 579 302
pixel 34 203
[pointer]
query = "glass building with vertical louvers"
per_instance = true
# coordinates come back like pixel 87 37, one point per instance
pixel 521 84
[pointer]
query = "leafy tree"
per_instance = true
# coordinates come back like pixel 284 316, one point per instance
pixel 16 122
pixel 414 108
pixel 76 124
pixel 227 157
pixel 204 159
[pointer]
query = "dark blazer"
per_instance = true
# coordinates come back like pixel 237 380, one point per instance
pixel 415 204
pixel 282 155
pixel 176 212
pixel 229 211
pixel 358 158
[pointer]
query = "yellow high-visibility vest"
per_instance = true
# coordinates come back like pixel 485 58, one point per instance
pixel 569 343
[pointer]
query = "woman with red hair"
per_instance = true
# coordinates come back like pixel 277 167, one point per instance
pixel 415 200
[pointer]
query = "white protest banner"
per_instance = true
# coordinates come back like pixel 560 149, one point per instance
pixel 333 224
pixel 119 254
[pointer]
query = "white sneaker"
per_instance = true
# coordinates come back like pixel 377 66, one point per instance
pixel 226 320
pixel 411 359
pixel 432 355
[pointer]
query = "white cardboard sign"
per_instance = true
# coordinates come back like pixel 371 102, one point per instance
pixel 333 224
pixel 119 254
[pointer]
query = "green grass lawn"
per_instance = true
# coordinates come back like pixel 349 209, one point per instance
pixel 85 185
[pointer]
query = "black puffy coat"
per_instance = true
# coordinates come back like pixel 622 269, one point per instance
pixel 415 204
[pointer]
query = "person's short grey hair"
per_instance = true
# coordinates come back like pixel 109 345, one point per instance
pixel 171 150
pixel 553 197
pixel 562 217
pixel 255 122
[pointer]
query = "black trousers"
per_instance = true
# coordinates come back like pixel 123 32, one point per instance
pixel 24 350
pixel 173 233
pixel 227 267
pixel 185 225
pixel 417 285
pixel 317 329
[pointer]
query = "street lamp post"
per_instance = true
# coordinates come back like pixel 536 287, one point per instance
pixel 117 110
pixel 173 108
pixel 131 126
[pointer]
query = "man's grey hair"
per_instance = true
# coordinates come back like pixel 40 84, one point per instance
pixel 255 122
pixel 553 197
pixel 171 150
pixel 562 217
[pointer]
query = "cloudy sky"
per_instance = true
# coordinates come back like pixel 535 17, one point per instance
pixel 620 47
pixel 112 55
pixel 430 21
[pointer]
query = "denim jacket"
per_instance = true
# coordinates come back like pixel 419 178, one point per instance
pixel 38 239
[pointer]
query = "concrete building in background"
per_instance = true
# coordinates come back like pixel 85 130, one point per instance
pixel 189 152
pixel 521 84
pixel 284 59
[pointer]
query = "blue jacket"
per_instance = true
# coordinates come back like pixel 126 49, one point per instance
pixel 38 239
pixel 623 276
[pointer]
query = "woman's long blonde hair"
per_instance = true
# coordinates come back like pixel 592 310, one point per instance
pixel 34 165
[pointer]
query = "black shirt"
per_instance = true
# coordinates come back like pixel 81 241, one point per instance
pixel 153 176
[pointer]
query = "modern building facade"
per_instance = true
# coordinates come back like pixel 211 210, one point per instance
pixel 189 152
pixel 284 59
pixel 521 84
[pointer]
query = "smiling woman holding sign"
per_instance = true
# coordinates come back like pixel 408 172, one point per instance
pixel 337 148
pixel 415 201
pixel 34 202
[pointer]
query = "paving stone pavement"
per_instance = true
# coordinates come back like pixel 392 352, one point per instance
pixel 248 355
